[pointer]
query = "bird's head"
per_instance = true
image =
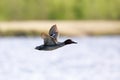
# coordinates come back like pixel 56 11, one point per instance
pixel 69 41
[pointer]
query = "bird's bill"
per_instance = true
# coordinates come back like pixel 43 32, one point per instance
pixel 74 42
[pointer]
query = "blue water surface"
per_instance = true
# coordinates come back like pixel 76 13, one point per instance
pixel 93 58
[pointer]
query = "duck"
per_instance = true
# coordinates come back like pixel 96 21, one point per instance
pixel 51 42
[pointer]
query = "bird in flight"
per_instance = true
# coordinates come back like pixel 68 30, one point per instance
pixel 50 41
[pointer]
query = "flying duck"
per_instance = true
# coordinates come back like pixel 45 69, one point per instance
pixel 50 41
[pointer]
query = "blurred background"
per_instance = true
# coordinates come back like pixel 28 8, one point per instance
pixel 94 24
pixel 59 9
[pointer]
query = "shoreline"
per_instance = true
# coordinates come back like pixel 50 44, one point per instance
pixel 67 28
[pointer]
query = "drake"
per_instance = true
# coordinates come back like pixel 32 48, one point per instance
pixel 50 41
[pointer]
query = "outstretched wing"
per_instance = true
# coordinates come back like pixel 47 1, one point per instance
pixel 53 32
pixel 47 39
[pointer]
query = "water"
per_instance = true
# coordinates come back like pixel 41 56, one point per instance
pixel 93 58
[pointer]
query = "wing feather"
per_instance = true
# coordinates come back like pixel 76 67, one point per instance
pixel 47 39
pixel 53 32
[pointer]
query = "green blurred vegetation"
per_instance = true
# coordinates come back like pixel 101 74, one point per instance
pixel 59 9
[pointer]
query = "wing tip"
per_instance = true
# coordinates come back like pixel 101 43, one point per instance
pixel 55 26
pixel 44 35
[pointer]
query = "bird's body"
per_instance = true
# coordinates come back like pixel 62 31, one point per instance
pixel 50 41
pixel 50 47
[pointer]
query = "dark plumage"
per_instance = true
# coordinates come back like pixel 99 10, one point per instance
pixel 50 41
